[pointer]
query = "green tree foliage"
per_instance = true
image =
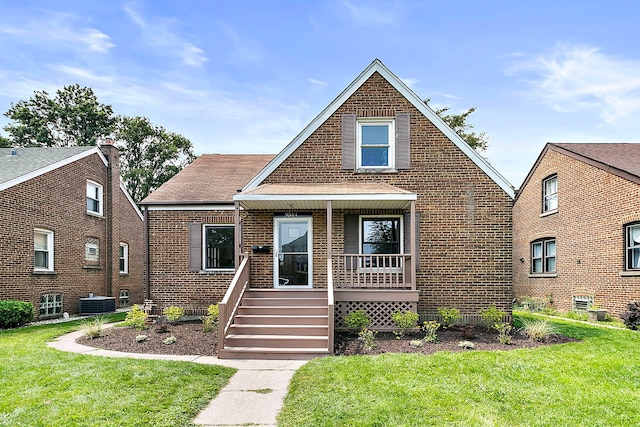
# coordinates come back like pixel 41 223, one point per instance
pixel 149 154
pixel 73 117
pixel 458 122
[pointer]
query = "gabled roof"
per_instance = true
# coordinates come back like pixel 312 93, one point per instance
pixel 620 159
pixel 18 165
pixel 379 67
pixel 210 179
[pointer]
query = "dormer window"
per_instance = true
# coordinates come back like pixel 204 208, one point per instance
pixel 376 144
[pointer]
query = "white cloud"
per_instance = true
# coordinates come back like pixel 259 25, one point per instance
pixel 82 74
pixel 317 82
pixel 367 15
pixel 572 78
pixel 410 82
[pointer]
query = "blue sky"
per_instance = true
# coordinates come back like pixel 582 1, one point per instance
pixel 247 76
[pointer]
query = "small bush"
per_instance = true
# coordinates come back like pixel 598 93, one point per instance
pixel 449 316
pixel 504 332
pixel 210 321
pixel 141 338
pixel 15 313
pixel 94 328
pixel 368 338
pixel 173 313
pixel 467 344
pixel 416 343
pixel 136 318
pixel 631 317
pixel 576 316
pixel 406 321
pixel 429 328
pixel 538 330
pixel 491 316
pixel 357 320
pixel 169 341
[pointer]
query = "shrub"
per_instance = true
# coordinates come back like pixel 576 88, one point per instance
pixel 173 314
pixel 368 338
pixel 538 330
pixel 169 341
pixel 429 328
pixel 491 315
pixel 357 320
pixel 405 321
pixel 141 338
pixel 93 328
pixel 467 344
pixel 15 313
pixel 449 316
pixel 504 332
pixel 136 318
pixel 631 317
pixel 416 343
pixel 576 316
pixel 210 321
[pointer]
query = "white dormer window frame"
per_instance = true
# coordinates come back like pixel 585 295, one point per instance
pixel 370 139
pixel 95 199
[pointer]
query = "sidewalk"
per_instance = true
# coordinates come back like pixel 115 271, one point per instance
pixel 253 396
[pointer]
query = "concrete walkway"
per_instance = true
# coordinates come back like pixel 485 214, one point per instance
pixel 253 396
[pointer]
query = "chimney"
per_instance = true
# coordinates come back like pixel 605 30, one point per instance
pixel 112 215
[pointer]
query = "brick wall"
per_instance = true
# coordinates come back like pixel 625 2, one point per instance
pixel 593 207
pixel 56 201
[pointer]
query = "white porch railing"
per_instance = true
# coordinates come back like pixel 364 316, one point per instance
pixel 374 271
pixel 330 303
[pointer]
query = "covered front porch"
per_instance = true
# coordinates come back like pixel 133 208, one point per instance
pixel 350 246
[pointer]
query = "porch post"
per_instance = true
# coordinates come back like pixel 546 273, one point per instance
pixel 329 227
pixel 414 244
pixel 237 235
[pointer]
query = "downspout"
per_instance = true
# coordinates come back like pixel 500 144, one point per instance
pixel 147 255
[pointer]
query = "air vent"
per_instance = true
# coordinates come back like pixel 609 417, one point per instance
pixel 582 302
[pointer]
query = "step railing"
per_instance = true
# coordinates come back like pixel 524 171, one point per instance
pixel 228 307
pixel 374 271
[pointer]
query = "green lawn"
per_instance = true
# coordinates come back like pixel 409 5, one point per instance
pixel 595 382
pixel 40 386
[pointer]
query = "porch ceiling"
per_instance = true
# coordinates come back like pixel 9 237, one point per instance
pixel 358 195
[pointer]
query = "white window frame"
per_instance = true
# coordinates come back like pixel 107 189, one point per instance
pixel 204 247
pixel 124 256
pixel 52 306
pixel 544 256
pixel 49 249
pixel 361 220
pixel 90 247
pixel 551 197
pixel 631 244
pixel 391 147
pixel 95 193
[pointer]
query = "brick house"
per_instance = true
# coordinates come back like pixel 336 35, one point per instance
pixel 376 205
pixel 576 234
pixel 69 229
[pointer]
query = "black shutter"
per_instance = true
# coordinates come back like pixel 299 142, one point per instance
pixel 348 141
pixel 407 226
pixel 195 246
pixel 351 236
pixel 403 149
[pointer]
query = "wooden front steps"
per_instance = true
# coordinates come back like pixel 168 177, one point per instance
pixel 279 324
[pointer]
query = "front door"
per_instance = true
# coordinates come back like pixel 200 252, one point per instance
pixel 292 252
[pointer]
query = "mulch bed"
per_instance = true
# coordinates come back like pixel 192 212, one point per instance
pixel 191 340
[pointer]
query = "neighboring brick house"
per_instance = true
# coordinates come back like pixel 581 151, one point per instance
pixel 577 229
pixel 376 205
pixel 69 229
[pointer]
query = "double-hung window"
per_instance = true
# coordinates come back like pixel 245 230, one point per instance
pixel 123 255
pixel 218 247
pixel 550 194
pixel 376 144
pixel 381 236
pixel 632 245
pixel 94 198
pixel 42 250
pixel 543 256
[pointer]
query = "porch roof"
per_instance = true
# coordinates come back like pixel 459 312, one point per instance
pixel 359 195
